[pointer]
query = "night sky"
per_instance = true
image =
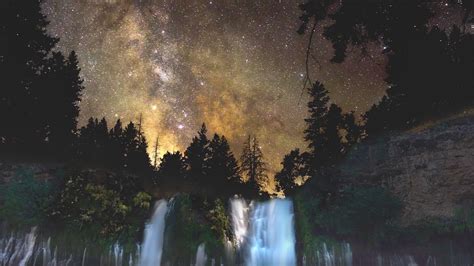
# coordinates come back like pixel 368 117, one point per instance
pixel 236 65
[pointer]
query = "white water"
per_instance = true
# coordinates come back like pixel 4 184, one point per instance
pixel 264 235
pixel 152 247
pixel 268 237
pixel 240 222
pixel 201 257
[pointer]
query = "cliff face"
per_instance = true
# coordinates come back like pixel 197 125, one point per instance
pixel 431 168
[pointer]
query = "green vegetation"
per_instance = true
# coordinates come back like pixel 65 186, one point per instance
pixel 191 222
pixel 102 205
pixel 367 214
pixel 25 201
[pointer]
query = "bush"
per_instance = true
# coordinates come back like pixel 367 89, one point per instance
pixel 103 210
pixel 26 199
pixel 191 222
pixel 361 212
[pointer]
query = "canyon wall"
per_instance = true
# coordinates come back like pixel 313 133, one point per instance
pixel 430 168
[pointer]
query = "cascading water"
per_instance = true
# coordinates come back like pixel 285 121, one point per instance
pixel 268 237
pixel 152 247
pixel 201 257
pixel 263 235
pixel 240 221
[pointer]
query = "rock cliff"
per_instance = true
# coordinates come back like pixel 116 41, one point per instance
pixel 430 168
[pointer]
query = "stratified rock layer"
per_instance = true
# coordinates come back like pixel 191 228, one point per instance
pixel 430 168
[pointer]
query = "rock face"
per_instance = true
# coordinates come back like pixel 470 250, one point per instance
pixel 431 168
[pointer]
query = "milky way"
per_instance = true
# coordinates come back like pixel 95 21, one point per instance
pixel 236 65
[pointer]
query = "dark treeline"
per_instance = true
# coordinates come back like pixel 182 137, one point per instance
pixel 40 89
pixel 210 166
pixel 39 107
pixel 429 75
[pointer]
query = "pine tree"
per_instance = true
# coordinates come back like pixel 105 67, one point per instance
pixel 135 150
pixel 294 166
pixel 196 156
pixel 23 51
pixel 252 165
pixel 353 131
pixel 156 153
pixel 316 122
pixel 172 169
pixel 333 148
pixel 222 166
pixel 41 89
pixel 116 147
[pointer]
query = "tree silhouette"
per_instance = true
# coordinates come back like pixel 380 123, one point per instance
pixel 172 169
pixel 40 94
pixel 196 156
pixel 135 150
pixel 223 169
pixel 422 62
pixel 329 134
pixel 316 123
pixel 93 141
pixel 156 153
pixel 294 166
pixel 252 166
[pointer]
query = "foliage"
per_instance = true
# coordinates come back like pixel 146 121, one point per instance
pixel 40 94
pixel 208 167
pixel 196 156
pixel 330 134
pixel 102 209
pixel 26 199
pixel 119 149
pixel 191 222
pixel 223 168
pixel 423 62
pixel 293 166
pixel 361 212
pixel 418 78
pixel 252 165
pixel 172 169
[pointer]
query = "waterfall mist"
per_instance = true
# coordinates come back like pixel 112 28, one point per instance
pixel 152 247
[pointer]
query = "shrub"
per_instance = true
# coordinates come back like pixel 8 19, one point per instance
pixel 26 199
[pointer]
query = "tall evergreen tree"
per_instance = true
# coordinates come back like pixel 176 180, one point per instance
pixel 294 166
pixel 116 146
pixel 24 46
pixel 318 109
pixel 333 147
pixel 41 89
pixel 353 131
pixel 222 166
pixel 172 169
pixel 422 61
pixel 135 150
pixel 197 155
pixel 252 165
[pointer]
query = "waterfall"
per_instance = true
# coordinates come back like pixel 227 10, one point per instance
pixel 152 247
pixel 268 237
pixel 239 217
pixel 201 257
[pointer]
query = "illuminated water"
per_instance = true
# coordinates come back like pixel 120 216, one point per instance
pixel 264 234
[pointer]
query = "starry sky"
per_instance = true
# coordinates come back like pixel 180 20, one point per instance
pixel 237 65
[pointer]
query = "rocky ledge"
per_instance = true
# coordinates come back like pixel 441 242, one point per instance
pixel 430 168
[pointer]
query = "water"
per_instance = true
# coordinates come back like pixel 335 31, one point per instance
pixel 152 247
pixel 201 257
pixel 263 235
pixel 239 217
pixel 268 236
